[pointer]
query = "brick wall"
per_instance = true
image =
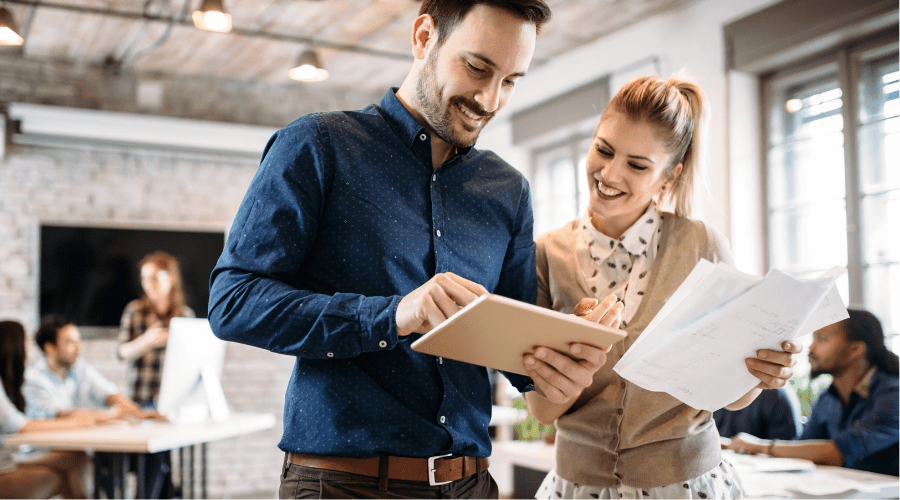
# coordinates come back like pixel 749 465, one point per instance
pixel 148 188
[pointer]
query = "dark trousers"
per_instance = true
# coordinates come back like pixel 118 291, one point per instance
pixel 157 474
pixel 306 482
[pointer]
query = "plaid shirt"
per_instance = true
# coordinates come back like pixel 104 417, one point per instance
pixel 144 373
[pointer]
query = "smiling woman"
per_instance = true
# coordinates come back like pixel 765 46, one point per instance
pixel 642 161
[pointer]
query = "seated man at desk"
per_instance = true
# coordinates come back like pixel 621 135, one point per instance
pixel 854 423
pixel 61 383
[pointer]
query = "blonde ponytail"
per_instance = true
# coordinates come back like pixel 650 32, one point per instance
pixel 678 110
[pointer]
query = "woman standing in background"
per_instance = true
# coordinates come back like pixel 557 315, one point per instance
pixel 144 329
pixel 143 333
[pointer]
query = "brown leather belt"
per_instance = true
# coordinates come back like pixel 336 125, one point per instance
pixel 435 470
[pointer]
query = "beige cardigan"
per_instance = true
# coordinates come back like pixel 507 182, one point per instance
pixel 617 433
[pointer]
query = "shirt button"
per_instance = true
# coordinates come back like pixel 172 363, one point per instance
pixel 620 411
pixel 438 233
pixel 382 344
pixel 423 137
pixel 433 177
pixel 443 419
pixel 330 354
pixel 441 360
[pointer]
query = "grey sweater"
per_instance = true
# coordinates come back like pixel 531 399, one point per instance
pixel 617 433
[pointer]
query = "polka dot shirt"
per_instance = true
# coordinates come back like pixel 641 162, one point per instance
pixel 345 217
pixel 622 265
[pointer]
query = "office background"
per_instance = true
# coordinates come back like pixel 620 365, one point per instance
pixel 100 145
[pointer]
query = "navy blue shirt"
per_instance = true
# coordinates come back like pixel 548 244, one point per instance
pixel 344 217
pixel 865 431
pixel 775 414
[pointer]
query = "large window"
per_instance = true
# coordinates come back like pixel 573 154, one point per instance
pixel 833 173
pixel 559 190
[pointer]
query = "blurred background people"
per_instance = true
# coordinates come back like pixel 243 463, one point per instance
pixel 854 423
pixel 48 474
pixel 775 414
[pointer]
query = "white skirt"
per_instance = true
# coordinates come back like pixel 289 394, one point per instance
pixel 721 482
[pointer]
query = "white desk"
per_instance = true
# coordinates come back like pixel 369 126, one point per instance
pixel 814 482
pixel 149 436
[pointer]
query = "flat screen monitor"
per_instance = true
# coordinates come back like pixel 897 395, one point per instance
pixel 88 274
pixel 190 388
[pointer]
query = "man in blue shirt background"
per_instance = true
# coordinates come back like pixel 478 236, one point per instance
pixel 854 423
pixel 362 230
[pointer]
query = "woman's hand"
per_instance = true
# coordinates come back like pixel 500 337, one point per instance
pixel 561 377
pixel 157 337
pixel 774 368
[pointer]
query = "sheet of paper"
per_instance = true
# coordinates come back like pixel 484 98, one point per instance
pixel 695 348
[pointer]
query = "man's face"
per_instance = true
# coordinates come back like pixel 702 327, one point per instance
pixel 67 347
pixel 466 80
pixel 829 351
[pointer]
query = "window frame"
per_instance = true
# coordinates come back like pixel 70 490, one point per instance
pixel 848 61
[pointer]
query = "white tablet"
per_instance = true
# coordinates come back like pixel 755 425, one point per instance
pixel 497 331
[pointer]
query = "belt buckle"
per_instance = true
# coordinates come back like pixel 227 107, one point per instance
pixel 431 470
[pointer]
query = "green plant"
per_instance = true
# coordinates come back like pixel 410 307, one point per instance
pixel 808 390
pixel 530 429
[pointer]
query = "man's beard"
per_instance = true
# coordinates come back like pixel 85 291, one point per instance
pixel 429 98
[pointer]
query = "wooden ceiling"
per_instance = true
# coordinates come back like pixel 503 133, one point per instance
pixel 364 44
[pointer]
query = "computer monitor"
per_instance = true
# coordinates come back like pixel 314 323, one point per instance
pixel 190 388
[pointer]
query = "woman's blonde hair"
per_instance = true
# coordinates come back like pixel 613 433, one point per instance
pixel 678 110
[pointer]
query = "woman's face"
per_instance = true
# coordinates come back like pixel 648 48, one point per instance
pixel 156 283
pixel 625 169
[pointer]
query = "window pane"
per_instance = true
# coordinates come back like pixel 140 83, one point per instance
pixel 806 176
pixel 554 189
pixel 807 171
pixel 584 193
pixel 883 295
pixel 879 156
pixel 806 109
pixel 881 228
pixel 809 238
pixel 878 89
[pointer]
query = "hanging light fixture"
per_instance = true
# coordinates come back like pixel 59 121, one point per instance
pixel 308 68
pixel 212 16
pixel 9 33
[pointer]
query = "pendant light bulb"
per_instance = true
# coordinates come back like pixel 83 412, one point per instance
pixel 308 68
pixel 9 33
pixel 212 16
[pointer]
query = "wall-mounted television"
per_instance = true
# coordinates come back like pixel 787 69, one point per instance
pixel 89 274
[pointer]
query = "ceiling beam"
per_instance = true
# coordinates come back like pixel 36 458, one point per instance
pixel 143 16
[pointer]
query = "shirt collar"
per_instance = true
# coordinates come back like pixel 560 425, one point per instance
pixel 862 387
pixel 405 125
pixel 634 240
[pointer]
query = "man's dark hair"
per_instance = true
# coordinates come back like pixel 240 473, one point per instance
pixel 48 332
pixel 447 14
pixel 864 327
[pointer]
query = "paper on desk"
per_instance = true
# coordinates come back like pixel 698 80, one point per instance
pixel 695 347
